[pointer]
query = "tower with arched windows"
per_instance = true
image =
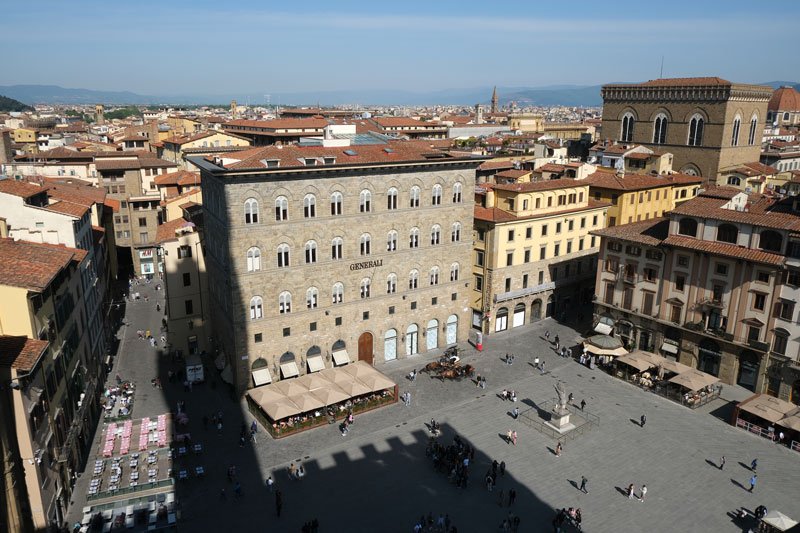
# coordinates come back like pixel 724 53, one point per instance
pixel 709 124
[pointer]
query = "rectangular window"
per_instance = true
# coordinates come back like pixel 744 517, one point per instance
pixel 612 221
pixel 413 305
pixel 287 332
pixel 454 297
pixel 509 258
pixel 142 222
pixel 793 278
pixel 188 307
pixel 716 293
pixel 365 315
pixel 434 301
pixel 478 283
pixel 508 284
pixel 527 256
pixel 650 274
pixel 528 232
pixel 612 264
pixel 721 269
pixel 479 258
pixel 569 247
pixel 542 252
pixel 570 225
pixel 184 252
pixel 187 279
pixel 627 299
pixel 556 250
pixel 338 321
pixel 312 326
pixel 683 260
pixel 609 295
pixel 524 281
pixel 647 303
pixel 680 282
pixel 583 222
pixel 511 235
pixel 558 227
pixel 544 230
pixel 258 337
pixel 675 314
pixel 785 310
pixel 580 244
pixel 762 276
pixel 753 333
pixel 759 301
pixel 143 238
pixel 594 220
pixel 481 234
pixel 541 277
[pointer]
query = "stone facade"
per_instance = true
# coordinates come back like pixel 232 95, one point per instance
pixel 370 326
pixel 716 101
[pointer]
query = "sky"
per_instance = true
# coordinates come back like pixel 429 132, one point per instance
pixel 218 47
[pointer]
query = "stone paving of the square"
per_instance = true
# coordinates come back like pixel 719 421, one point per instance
pixel 377 478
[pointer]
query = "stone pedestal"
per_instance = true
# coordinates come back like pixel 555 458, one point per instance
pixel 559 420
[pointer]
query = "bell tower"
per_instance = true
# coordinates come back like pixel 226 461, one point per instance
pixel 494 100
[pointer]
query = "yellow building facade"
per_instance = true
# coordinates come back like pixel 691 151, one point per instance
pixel 533 255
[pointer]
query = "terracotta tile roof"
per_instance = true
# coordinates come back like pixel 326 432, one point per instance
pixel 494 214
pixel 130 163
pixel 547 185
pixel 404 122
pixel 638 182
pixel 551 167
pixel 720 192
pixel 280 124
pixel 63 153
pixel 21 353
pixel 764 212
pixel 784 99
pixel 677 82
pixel 761 168
pixel 513 173
pixel 292 156
pixel 496 165
pixel 32 265
pixel 78 194
pixel 724 249
pixel 23 189
pixel 181 177
pixel 640 155
pixel 167 230
pixel 68 208
pixel 649 232
pixel 186 194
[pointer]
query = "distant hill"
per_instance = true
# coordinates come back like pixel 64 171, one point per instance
pixel 566 96
pixel 9 104
pixel 53 94
pixel 776 84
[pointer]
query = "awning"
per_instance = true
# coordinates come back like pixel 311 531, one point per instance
pixel 315 364
pixel 669 348
pixel 289 370
pixel 779 521
pixel 603 329
pixel 261 377
pixel 694 380
pixel 340 357
pixel 638 363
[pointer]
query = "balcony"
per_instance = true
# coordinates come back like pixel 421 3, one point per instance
pixel 716 303
pixel 758 345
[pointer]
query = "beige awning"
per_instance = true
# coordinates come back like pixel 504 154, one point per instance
pixel 790 422
pixel 280 408
pixel 340 357
pixel 694 380
pixel 358 369
pixel 638 363
pixel 330 394
pixel 779 521
pixel 306 402
pixel 289 370
pixel 669 348
pixel 673 366
pixel 290 387
pixel 377 382
pixel 316 363
pixel 264 395
pixel 767 407
pixel 261 377
pixel 313 381
pixel 603 329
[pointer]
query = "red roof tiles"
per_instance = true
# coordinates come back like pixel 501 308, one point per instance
pixel 167 230
pixel 784 99
pixel 32 265
pixel 68 208
pixel 21 353
pixel 547 185
pixel 649 232
pixel 724 249
pixel 23 189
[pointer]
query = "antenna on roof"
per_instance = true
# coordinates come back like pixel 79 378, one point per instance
pixel 661 74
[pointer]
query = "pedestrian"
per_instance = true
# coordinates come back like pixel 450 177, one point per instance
pixel 644 493
pixel 270 484
pixel 753 482
pixel 631 489
pixel 241 442
pixel 515 413
pixel 502 468
pixel 508 359
pixel 541 368
pixel 569 353
pixel 512 497
pixel 722 463
pixel 478 380
pixel 583 404
pixel 559 449
pixel 489 482
pixel 558 342
pixel 547 335
pixel 278 503
pixel 583 485
pixel 483 382
pixel 536 362
pixel 754 465
pixel 781 437
pixel 642 421
pixel 501 500
pixel 219 427
pixel 514 437
pixel 408 399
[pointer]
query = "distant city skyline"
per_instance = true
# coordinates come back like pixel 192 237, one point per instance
pixel 212 48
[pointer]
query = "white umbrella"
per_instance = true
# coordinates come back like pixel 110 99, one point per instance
pixel 779 520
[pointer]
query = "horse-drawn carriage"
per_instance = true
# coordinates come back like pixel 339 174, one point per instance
pixel 449 367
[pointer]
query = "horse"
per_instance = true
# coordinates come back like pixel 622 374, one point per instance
pixel 432 367
pixel 469 370
pixel 450 373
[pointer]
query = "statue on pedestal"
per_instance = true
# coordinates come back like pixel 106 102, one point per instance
pixel 562 396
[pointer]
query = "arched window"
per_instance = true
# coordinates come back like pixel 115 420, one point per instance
pixel 413 279
pixel 413 238
pixel 751 137
pixel 281 208
pixel 436 195
pixel 454 272
pixel 455 232
pixel 727 233
pixel 310 206
pixel 391 199
pixel 737 124
pixel 414 197
pixel 253 259
pixel 285 302
pixel 660 129
pixel 626 135
pixel 337 293
pixel 251 211
pixel 770 241
pixel 687 226
pixel 365 201
pixel 336 203
pixel 256 307
pixel 391 283
pixel 311 252
pixel 436 234
pixel 336 248
pixel 365 244
pixel 434 276
pixel 391 241
pixel 365 288
pixel 312 298
pixel 696 125
pixel 735 181
pixel 283 255
pixel 457 188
